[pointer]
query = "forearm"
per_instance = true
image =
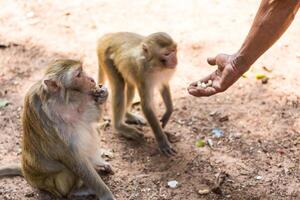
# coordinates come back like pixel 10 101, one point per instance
pixel 271 21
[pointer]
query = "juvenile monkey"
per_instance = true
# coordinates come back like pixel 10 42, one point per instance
pixel 132 61
pixel 59 147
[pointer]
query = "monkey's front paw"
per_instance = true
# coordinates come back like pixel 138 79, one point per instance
pixel 100 94
pixel 167 149
pixel 104 167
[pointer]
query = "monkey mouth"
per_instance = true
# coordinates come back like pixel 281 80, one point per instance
pixel 102 97
pixel 172 63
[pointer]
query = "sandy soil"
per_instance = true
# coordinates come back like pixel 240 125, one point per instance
pixel 260 147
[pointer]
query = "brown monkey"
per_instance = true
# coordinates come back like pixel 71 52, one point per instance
pixel 59 146
pixel 131 62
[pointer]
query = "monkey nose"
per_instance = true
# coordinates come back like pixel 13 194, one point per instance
pixel 92 80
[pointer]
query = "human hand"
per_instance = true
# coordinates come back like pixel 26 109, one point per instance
pixel 227 73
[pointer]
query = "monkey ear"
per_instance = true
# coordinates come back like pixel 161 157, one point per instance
pixel 145 48
pixel 51 85
pixel 146 51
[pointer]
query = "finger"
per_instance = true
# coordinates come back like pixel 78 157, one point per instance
pixel 222 60
pixel 166 153
pixel 171 152
pixel 193 84
pixel 211 60
pixel 205 92
pixel 174 152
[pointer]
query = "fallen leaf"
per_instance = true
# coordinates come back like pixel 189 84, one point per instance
pixel 266 68
pixel 3 103
pixel 260 76
pixel 200 143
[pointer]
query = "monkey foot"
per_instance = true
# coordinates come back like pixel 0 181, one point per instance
pixel 130 132
pixel 135 119
pixel 133 135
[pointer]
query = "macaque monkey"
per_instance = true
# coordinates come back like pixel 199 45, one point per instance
pixel 59 147
pixel 132 61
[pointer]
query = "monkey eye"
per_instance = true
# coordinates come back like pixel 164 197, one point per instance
pixel 78 74
pixel 167 54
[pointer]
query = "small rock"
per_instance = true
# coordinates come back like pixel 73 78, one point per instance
pixel 235 136
pixel 173 184
pixel 224 118
pixel 204 189
pixel 210 143
pixel 213 113
pixel 29 194
pixel 201 84
pixel 217 132
pixel 209 83
pixel 258 177
pixel 264 80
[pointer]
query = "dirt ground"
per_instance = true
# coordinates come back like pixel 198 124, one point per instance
pixel 260 147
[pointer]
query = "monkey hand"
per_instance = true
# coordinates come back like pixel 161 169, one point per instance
pixel 165 118
pixel 166 148
pixel 230 69
pixel 100 94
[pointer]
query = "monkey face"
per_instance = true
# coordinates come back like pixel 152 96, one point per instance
pixel 81 81
pixel 160 51
pixel 169 58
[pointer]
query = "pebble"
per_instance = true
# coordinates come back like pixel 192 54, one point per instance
pixel 204 190
pixel 173 184
pixel 204 85
pixel 209 83
pixel 29 194
pixel 210 142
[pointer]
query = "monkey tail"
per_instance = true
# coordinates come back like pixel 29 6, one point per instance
pixel 11 170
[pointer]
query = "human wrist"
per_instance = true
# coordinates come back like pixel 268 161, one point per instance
pixel 240 63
